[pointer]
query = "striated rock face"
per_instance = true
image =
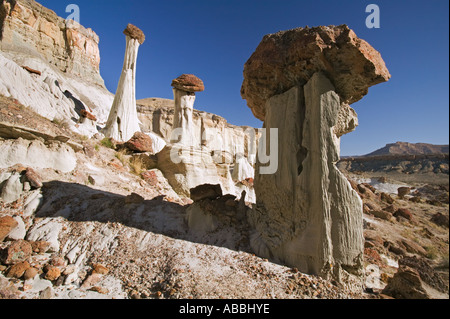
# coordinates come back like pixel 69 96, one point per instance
pixel 307 215
pixel 210 130
pixel 290 58
pixel 27 26
pixel 301 82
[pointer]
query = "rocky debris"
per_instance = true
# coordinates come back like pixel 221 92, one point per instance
pixel 188 83
pixel 33 178
pixel 52 273
pixel 12 189
pixel 427 272
pixel 403 191
pixel 32 71
pixel 404 213
pixel 381 214
pixel 205 191
pixel 140 142
pixel 123 121
pixel 292 57
pixel 406 284
pixel 88 115
pixel 135 33
pixel 18 251
pixel 385 197
pixel 18 270
pixel 422 168
pixel 440 219
pixel 7 224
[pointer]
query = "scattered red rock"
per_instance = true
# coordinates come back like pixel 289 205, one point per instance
pixel 440 219
pixel 7 224
pixel 140 142
pixel 32 71
pixel 33 178
pixel 88 115
pixel 40 247
pixel 100 269
pixel 406 284
pixel 150 177
pixel 385 197
pixel 18 251
pixel 30 273
pixel 18 270
pixel 52 273
pixel 405 213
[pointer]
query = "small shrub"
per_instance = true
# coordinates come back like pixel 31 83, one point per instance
pixel 107 142
pixel 137 165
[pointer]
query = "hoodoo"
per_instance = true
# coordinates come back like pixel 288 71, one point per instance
pixel 301 82
pixel 123 121
pixel 184 88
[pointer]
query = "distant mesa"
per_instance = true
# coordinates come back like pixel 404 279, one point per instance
pixel 405 148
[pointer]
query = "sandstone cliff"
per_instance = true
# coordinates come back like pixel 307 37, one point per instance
pixel 28 27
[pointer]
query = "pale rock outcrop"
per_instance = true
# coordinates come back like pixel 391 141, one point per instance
pixel 36 154
pixel 123 121
pixel 12 189
pixel 242 170
pixel 307 215
pixel 51 65
pixel 210 130
pixel 186 168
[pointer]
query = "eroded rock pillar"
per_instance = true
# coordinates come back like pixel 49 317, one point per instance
pixel 123 121
pixel 307 215
pixel 184 108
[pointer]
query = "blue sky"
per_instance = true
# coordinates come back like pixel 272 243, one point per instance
pixel 214 38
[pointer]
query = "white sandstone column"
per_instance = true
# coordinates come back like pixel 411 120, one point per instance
pixel 123 121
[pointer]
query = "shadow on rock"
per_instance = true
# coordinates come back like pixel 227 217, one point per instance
pixel 80 203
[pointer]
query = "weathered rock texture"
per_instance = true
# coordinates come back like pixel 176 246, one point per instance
pixel 300 82
pixel 290 58
pixel 210 130
pixel 27 26
pixel 188 83
pixel 184 88
pixel 123 120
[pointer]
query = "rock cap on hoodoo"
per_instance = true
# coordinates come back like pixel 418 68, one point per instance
pixel 135 33
pixel 188 83
pixel 290 58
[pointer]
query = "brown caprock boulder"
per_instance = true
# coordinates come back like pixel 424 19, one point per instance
pixel 290 58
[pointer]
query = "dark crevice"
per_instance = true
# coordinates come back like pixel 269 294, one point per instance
pixel 302 152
